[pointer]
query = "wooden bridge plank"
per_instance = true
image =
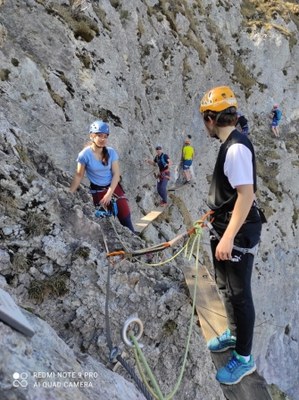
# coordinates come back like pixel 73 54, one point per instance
pixel 212 318
pixel 144 222
pixel 209 308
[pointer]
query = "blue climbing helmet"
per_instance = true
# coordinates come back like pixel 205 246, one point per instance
pixel 99 126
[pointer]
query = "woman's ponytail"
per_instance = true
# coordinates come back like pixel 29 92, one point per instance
pixel 105 158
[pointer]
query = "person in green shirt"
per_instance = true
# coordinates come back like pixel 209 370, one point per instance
pixel 187 158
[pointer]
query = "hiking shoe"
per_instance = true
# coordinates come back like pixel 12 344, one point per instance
pixel 222 342
pixel 235 370
pixel 162 204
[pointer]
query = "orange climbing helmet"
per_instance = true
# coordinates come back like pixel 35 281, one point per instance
pixel 218 99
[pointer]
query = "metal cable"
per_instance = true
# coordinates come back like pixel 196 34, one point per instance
pixel 139 383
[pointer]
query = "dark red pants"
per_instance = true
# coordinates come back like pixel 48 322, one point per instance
pixel 124 213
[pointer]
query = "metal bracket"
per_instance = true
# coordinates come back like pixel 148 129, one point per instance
pixel 113 354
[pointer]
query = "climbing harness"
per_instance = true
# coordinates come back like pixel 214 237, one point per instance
pixel 112 210
pixel 244 250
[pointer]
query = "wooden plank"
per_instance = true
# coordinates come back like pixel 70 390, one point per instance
pixel 212 318
pixel 177 187
pixel 143 222
pixel 209 308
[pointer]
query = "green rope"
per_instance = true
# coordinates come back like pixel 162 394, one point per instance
pixel 139 356
pixel 147 368
pixel 168 259
pixel 170 396
pixel 192 239
pixel 191 244
pixel 143 377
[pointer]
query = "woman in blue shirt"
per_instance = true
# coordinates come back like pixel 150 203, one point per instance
pixel 102 169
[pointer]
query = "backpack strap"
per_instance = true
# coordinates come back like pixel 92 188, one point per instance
pixel 163 159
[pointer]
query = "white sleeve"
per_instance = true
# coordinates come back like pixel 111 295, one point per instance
pixel 238 165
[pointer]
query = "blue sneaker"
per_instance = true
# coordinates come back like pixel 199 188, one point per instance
pixel 235 370
pixel 222 343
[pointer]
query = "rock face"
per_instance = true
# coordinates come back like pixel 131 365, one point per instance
pixel 54 262
pixel 144 66
pixel 44 367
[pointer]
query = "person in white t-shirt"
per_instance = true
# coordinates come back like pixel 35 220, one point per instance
pixel 235 230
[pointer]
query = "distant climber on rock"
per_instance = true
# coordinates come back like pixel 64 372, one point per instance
pixel 276 115
pixel 187 159
pixel 101 165
pixel 163 162
pixel 235 230
pixel 242 124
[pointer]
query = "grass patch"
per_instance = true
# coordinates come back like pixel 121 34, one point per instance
pixel 268 171
pixel 85 59
pixel 115 3
pixel 264 202
pixel 54 287
pixel 169 327
pixel 4 74
pixel 187 70
pixel 191 40
pixel 124 16
pixel 15 62
pixel 23 153
pixel 82 26
pixel 224 51
pixel 101 14
pixel 263 14
pixel 36 224
pixel 243 77
pixel 276 393
pixel 169 9
pixel 140 28
pixel 295 217
pixel 81 252
pixel 292 143
pixel 56 97
pixel 20 262
pixel 9 203
pixel 241 74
